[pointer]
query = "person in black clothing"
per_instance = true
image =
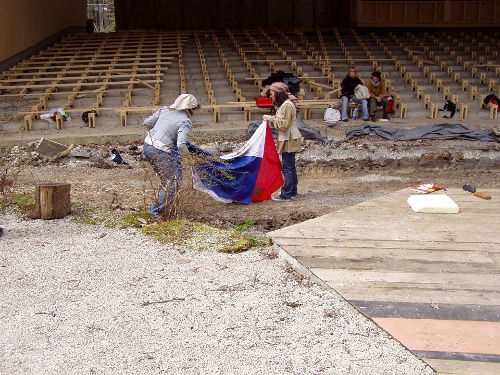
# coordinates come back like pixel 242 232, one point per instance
pixel 348 85
pixel 449 106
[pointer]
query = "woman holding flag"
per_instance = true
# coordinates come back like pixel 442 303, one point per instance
pixel 289 137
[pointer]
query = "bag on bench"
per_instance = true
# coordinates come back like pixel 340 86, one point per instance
pixel 390 105
pixel 361 92
pixel 331 114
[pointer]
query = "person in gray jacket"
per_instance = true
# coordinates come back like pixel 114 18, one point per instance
pixel 166 144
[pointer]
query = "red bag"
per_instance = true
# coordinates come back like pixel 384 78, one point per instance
pixel 263 102
pixel 390 105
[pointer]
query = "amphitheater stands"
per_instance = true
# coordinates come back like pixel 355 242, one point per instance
pixel 125 76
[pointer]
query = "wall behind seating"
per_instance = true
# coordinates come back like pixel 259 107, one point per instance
pixel 25 23
pixel 229 14
pixel 426 13
pixel 304 14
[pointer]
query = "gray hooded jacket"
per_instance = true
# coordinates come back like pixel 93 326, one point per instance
pixel 168 127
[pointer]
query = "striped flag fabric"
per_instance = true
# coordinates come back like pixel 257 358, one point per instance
pixel 250 174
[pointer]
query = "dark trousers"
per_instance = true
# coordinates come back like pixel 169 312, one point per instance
pixel 374 104
pixel 289 189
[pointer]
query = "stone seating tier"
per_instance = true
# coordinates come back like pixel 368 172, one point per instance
pixel 131 72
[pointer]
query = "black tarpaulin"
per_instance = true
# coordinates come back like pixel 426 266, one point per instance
pixel 437 131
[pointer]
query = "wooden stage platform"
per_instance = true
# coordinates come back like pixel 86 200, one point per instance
pixel 431 280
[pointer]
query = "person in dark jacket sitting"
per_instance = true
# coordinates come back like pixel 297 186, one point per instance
pixel 348 85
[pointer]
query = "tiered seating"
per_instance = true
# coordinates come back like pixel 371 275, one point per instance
pixel 130 74
pixel 94 71
pixel 468 65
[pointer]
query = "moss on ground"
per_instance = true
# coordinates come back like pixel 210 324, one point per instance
pixel 201 236
pixel 23 203
pixel 178 232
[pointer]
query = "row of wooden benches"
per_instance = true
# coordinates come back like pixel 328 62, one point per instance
pixel 247 108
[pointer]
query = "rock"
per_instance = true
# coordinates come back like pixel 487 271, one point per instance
pixel 50 148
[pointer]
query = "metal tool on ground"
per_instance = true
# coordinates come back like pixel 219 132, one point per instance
pixel 472 189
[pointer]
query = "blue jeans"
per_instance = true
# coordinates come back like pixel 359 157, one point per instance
pixel 169 167
pixel 289 189
pixel 364 106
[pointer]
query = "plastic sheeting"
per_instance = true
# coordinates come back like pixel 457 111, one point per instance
pixel 437 131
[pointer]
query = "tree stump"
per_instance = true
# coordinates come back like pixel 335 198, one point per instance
pixel 52 200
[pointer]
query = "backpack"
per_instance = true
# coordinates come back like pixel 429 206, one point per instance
pixel 289 79
pixel 449 106
pixel 491 98
pixel 85 116
pixel 361 92
pixel 293 84
pixel 331 114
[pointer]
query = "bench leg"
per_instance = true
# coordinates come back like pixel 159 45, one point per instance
pixel 248 114
pixel 464 111
pixel 493 111
pixel 28 122
pixel 434 111
pixel 123 118
pixel 216 115
pixel 91 120
pixel 402 110
pixel 59 121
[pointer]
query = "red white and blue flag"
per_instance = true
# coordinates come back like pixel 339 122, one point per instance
pixel 250 174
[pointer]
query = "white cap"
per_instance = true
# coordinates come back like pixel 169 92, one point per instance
pixel 185 101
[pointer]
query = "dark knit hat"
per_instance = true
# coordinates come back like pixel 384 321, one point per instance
pixel 377 74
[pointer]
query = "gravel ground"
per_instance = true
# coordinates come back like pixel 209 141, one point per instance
pixel 88 299
pixel 85 299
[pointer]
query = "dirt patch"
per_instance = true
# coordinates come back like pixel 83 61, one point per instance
pixel 331 177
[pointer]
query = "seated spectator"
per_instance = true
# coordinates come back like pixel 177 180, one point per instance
pixel 449 106
pixel 348 85
pixel 376 86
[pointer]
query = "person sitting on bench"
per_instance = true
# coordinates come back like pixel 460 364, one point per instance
pixel 376 87
pixel 348 85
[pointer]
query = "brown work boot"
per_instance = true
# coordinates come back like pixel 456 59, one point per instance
pixel 372 117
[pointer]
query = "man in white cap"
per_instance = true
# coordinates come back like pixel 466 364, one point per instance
pixel 165 144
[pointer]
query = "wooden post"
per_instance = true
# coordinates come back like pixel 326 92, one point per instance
pixel 464 111
pixel 28 122
pixel 493 111
pixel 91 120
pixel 52 200
pixel 123 118
pixel 59 121
pixel 216 114
pixel 434 110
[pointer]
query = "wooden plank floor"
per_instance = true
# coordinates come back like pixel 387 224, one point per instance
pixel 431 280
